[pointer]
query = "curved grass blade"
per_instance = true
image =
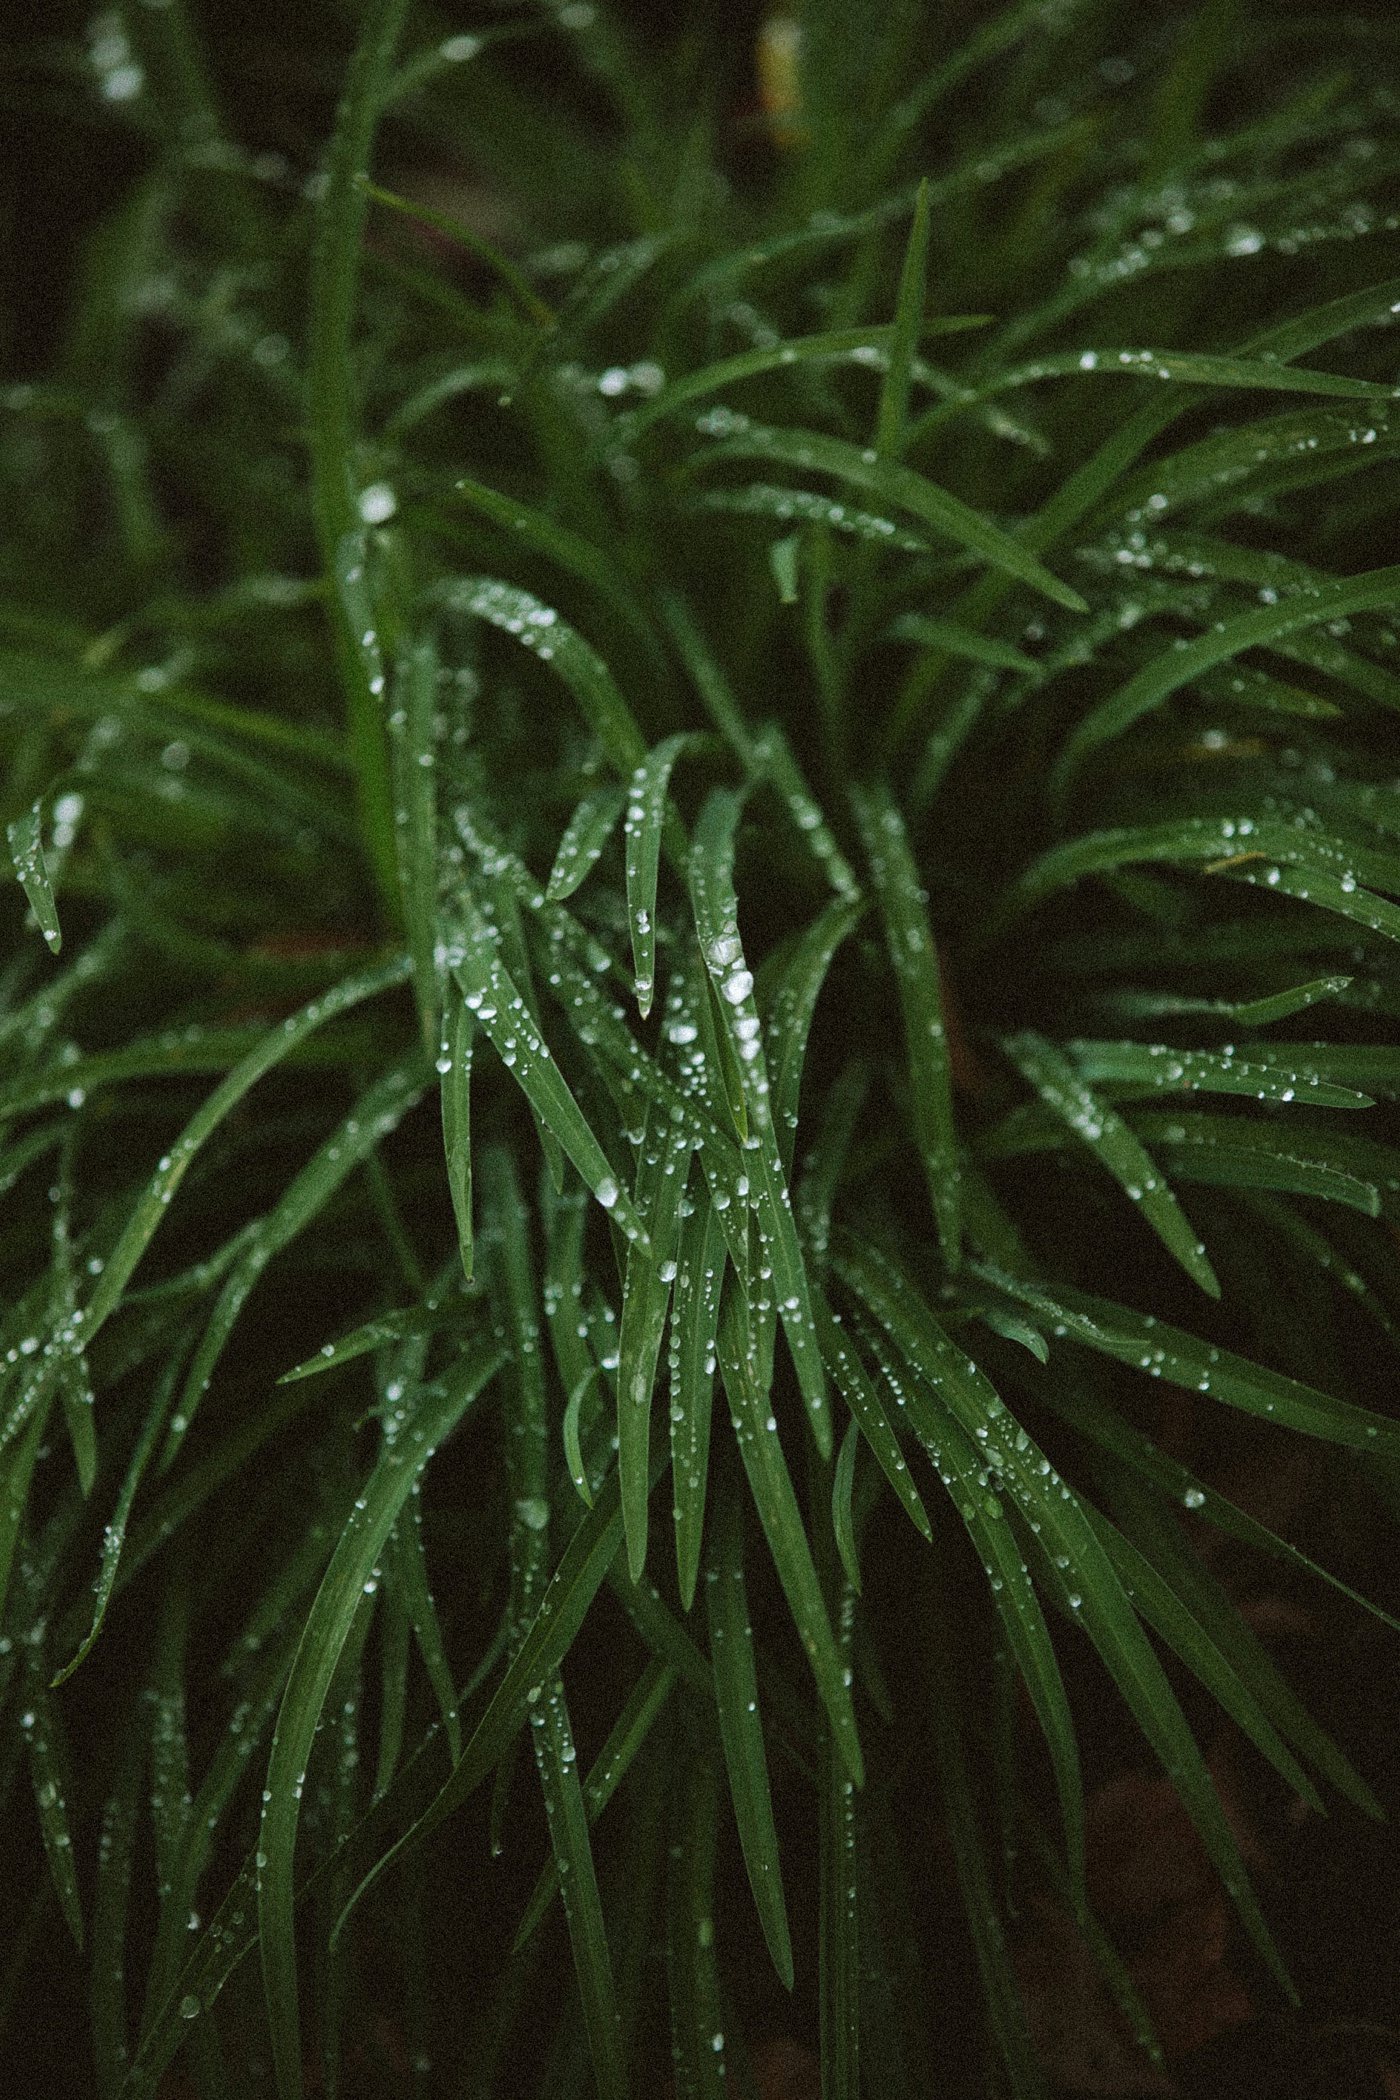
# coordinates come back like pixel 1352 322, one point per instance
pixel 831 345
pixel 379 1112
pixel 538 628
pixel 1264 1699
pixel 339 1598
pixel 1199 368
pixel 459 1033
pixel 1333 870
pixel 586 834
pixel 914 959
pixel 646 815
pixel 25 837
pixel 1068 1096
pixel 984 1913
pixel 578 1889
pixel 717 922
pixel 694 1340
pixel 626 1737
pixel 850 1378
pixel 697 2032
pixel 794 1004
pixel 1238 1152
pixel 1174 668
pixel 410 1575
pixel 956 640
pixel 892 415
pixel 962 1465
pixel 456 230
pixel 39 1726
pixel 1199 1645
pixel 491 998
pixel 763 499
pixel 838 1907
pixel 413 760
pixel 896 486
pixel 843 1482
pixel 1164 1351
pixel 1065 1536
pixel 774 760
pixel 563 1608
pixel 1181 1487
pixel 573 1438
pixel 660 1185
pixel 270 1050
pixel 741 1732
pixel 776 1503
pixel 413 1320
pixel 568 550
pixel 114 1532
pixel 1278 1072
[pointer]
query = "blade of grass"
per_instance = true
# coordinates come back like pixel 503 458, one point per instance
pixel 694 1332
pixel 324 1636
pixel 914 959
pixel 1066 1093
pixel 776 1503
pixel 741 1732
pixel 896 486
pixel 892 416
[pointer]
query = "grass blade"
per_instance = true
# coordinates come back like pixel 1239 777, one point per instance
pixel 491 998
pixel 1168 673
pixel 661 1176
pixel 538 628
pixel 777 1507
pixel 459 1032
pixel 25 836
pixel 741 1732
pixel 1280 1072
pixel 646 815
pixel 717 922
pixel 697 2033
pixel 892 415
pixel 914 959
pixel 1066 1093
pixel 896 486
pixel 1164 1351
pixel 694 1340
pixel 586 834
pixel 413 756
pixel 838 1909
pixel 327 1629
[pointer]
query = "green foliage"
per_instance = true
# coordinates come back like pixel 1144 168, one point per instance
pixel 657 796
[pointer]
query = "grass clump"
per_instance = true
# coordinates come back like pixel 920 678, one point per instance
pixel 704 783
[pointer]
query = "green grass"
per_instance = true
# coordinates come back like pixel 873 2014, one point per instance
pixel 742 780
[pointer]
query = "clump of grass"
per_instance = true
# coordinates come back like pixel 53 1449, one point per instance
pixel 710 841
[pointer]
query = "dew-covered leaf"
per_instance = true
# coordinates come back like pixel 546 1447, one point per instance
pixel 585 836
pixel 1063 1087
pixel 340 1597
pixel 642 829
pixel 914 958
pixel 776 1502
pixel 891 484
pixel 651 1269
pixel 491 998
pixel 717 922
pixel 694 1341
pixel 1166 673
pixel 538 628
pixel 741 1732
pixel 25 836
